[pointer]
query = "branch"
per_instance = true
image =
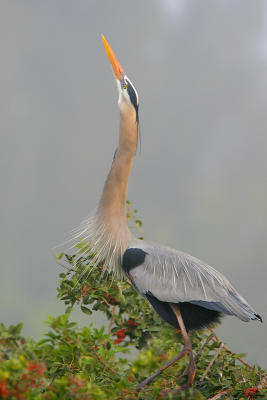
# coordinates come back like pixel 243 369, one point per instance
pixel 111 322
pixel 212 361
pixel 217 339
pixel 220 394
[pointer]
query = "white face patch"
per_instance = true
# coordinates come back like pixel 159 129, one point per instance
pixel 123 93
pixel 127 94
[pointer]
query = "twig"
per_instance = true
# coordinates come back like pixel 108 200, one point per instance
pixel 99 358
pixel 111 322
pixel 159 371
pixel 182 374
pixel 217 339
pixel 212 361
pixel 209 338
pixel 238 358
pixel 172 392
pixel 214 334
pixel 220 394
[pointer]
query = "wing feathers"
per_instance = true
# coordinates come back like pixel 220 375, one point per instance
pixel 173 276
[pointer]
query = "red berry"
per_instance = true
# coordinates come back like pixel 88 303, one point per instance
pixel 4 391
pixel 250 392
pixel 36 367
pixel 84 291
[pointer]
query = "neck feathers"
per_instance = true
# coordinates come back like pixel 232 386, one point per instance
pixel 107 231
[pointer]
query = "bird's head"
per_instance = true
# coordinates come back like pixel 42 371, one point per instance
pixel 128 96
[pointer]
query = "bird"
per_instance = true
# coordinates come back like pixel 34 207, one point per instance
pixel 185 292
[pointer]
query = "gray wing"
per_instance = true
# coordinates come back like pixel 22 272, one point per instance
pixel 174 276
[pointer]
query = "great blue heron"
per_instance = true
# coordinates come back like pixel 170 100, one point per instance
pixel 184 291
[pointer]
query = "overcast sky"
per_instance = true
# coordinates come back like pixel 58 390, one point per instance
pixel 199 182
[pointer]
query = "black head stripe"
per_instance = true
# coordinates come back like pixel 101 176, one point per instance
pixel 132 94
pixel 133 98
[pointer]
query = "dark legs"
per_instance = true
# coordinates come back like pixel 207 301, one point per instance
pixel 186 350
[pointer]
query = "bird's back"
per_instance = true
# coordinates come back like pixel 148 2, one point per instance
pixel 175 277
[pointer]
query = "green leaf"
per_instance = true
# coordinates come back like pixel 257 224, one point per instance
pixel 86 310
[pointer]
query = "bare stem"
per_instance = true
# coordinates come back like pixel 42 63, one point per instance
pixel 212 361
pixel 217 339
pixel 111 322
pixel 220 394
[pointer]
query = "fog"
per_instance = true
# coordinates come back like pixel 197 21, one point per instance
pixel 199 181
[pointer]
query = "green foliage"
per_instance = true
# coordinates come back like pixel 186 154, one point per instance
pixel 73 362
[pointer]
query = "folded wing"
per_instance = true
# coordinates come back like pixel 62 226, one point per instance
pixel 173 276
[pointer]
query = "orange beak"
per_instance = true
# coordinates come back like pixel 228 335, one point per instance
pixel 117 69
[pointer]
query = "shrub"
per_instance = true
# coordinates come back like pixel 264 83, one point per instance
pixel 73 362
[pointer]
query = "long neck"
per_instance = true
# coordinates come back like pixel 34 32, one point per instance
pixel 107 230
pixel 112 202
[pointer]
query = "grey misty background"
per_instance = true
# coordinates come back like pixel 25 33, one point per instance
pixel 199 182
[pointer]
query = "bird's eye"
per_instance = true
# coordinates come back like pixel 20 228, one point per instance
pixel 124 84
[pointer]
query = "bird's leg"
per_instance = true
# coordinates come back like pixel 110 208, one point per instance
pixel 187 344
pixel 187 349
